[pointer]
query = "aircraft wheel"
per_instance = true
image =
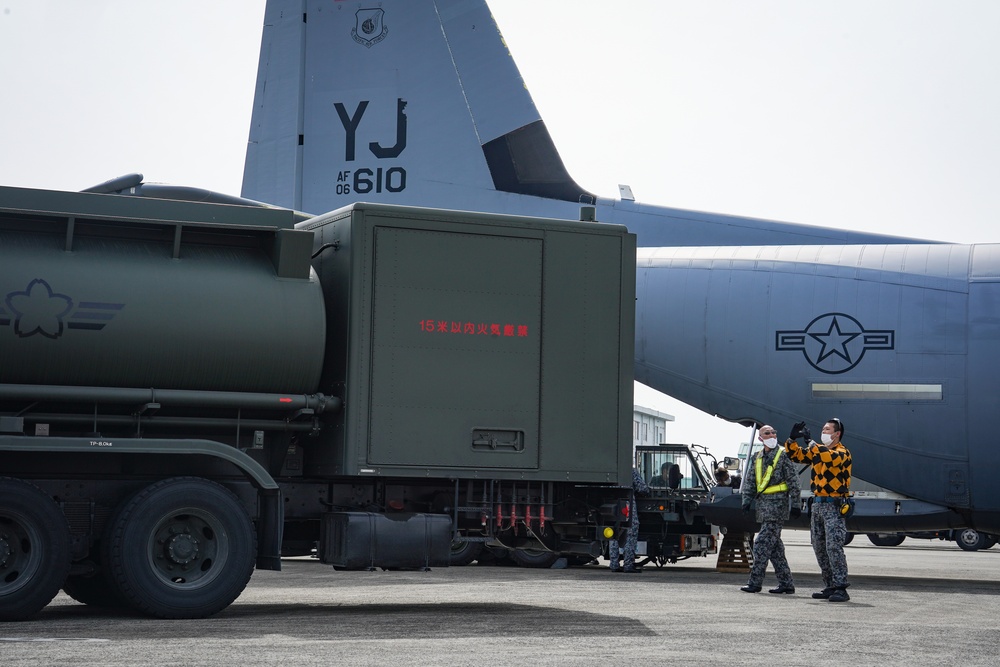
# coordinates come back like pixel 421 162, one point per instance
pixel 463 553
pixel 886 539
pixel 181 548
pixel 971 540
pixel 849 539
pixel 34 549
pixel 534 557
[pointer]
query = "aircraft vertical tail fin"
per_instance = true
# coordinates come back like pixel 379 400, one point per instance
pixel 408 102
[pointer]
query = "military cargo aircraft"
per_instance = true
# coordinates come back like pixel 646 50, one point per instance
pixel 752 320
pixel 420 102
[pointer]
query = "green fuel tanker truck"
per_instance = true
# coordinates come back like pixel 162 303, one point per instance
pixel 190 391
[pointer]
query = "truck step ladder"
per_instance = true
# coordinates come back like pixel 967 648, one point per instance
pixel 736 553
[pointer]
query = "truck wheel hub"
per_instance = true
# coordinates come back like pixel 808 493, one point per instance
pixel 182 549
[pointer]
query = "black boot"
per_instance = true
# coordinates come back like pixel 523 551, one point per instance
pixel 839 595
pixel 824 594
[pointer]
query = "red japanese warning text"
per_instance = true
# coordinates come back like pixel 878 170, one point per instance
pixel 474 328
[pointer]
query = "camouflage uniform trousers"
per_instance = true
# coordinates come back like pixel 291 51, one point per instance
pixel 767 546
pixel 631 542
pixel 828 532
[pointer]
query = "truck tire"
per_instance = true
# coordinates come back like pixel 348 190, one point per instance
pixel 181 548
pixel 886 539
pixel 500 556
pixel 463 553
pixel 34 549
pixel 971 540
pixel 94 591
pixel 534 557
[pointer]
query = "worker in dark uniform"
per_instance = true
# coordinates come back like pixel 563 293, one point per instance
pixel 723 478
pixel 632 534
pixel 773 486
pixel 670 476
pixel 662 480
pixel 831 485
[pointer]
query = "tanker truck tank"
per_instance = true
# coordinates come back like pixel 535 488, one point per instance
pixel 108 300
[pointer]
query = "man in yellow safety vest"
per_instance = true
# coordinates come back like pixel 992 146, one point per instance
pixel 772 487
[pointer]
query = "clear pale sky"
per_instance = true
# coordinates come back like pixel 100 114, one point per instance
pixel 850 113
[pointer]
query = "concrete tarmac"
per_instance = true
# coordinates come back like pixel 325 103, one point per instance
pixel 922 603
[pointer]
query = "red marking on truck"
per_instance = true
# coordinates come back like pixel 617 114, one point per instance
pixel 508 330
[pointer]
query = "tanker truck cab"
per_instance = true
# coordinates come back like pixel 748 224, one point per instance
pixel 190 391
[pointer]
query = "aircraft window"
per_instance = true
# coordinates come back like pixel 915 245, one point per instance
pixel 908 392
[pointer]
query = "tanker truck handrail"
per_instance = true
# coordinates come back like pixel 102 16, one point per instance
pixel 162 206
pixel 134 185
pixel 171 397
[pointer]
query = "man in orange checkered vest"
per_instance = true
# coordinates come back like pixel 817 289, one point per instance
pixel 831 485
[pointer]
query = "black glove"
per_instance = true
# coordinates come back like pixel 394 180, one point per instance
pixel 797 429
pixel 795 513
pixel 806 434
pixel 746 507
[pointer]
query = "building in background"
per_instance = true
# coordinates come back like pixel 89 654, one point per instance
pixel 744 452
pixel 649 427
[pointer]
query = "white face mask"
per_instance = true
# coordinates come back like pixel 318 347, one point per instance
pixel 771 443
pixel 827 439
